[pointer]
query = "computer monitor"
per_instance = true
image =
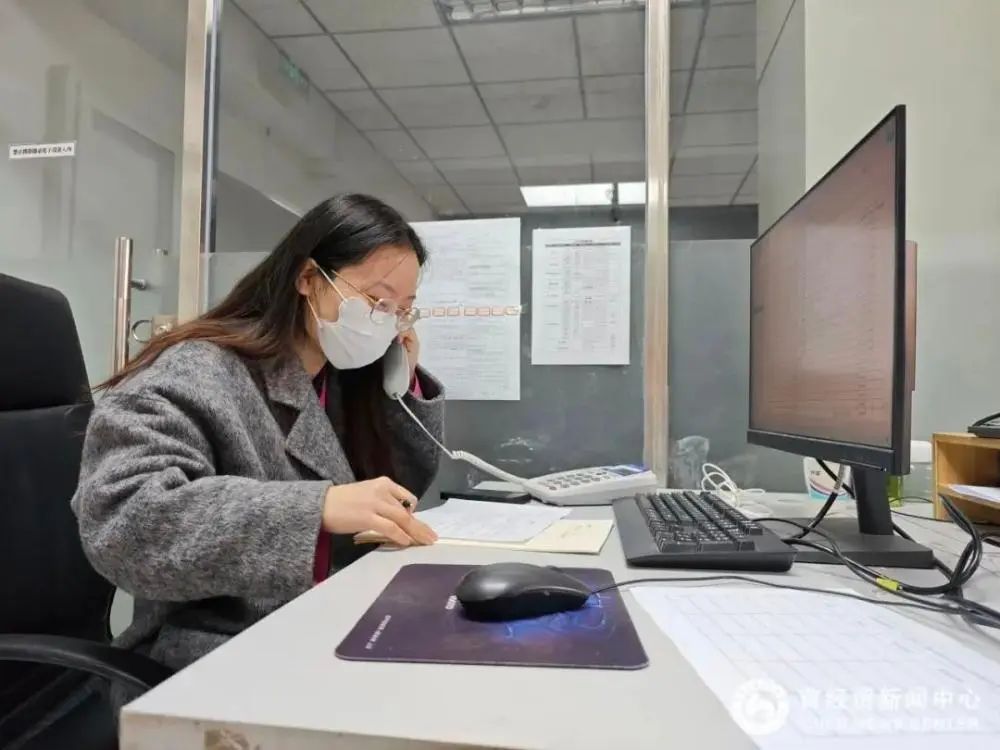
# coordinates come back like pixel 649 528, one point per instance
pixel 832 321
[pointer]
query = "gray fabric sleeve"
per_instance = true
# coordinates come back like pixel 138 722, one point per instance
pixel 156 521
pixel 415 456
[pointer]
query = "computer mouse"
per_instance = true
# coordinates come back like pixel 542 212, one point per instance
pixel 518 591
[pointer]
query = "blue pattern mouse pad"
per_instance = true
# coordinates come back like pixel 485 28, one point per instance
pixel 418 619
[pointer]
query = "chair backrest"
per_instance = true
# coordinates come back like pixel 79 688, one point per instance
pixel 46 583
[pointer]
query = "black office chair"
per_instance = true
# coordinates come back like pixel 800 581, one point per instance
pixel 54 607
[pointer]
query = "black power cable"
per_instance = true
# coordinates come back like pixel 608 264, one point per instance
pixel 915 603
pixel 968 561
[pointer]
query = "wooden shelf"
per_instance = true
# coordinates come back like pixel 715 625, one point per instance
pixel 961 458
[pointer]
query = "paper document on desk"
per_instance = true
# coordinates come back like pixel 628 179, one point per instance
pixel 478 521
pixel 490 522
pixel 808 670
pixel 570 536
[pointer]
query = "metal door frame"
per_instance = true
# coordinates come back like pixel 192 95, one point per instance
pixel 198 164
pixel 656 403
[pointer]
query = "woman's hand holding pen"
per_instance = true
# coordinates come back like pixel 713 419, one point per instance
pixel 378 505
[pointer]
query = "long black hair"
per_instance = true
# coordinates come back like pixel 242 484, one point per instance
pixel 264 315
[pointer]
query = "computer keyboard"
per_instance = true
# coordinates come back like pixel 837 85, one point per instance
pixel 691 529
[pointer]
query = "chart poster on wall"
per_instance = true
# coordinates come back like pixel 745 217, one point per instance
pixel 470 303
pixel 580 295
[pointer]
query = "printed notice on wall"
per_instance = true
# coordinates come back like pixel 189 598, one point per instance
pixel 580 296
pixel 470 303
pixel 40 150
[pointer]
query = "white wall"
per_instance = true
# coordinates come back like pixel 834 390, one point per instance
pixel 942 60
pixel 858 59
pixel 781 107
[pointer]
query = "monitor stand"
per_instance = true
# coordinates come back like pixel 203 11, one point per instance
pixel 868 539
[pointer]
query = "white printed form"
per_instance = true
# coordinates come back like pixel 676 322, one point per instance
pixel 814 671
pixel 470 302
pixel 580 296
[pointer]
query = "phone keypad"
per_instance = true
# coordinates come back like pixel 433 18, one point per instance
pixel 570 480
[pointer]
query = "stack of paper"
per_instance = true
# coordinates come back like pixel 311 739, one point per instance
pixel 532 528
pixel 986 494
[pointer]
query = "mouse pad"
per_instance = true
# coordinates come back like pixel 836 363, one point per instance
pixel 418 619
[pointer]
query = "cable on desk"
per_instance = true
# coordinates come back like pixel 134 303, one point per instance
pixel 834 494
pixel 915 603
pixel 920 518
pixel 974 612
pixel 969 559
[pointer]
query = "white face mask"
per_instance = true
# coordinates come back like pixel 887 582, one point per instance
pixel 353 340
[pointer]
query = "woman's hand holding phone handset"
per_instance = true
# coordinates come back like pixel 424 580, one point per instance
pixel 375 505
pixel 411 343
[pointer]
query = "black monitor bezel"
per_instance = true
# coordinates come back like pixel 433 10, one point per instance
pixel 895 458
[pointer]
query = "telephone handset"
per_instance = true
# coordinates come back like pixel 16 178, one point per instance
pixel 395 371
pixel 598 485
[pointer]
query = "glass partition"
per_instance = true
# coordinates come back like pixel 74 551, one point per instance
pixel 713 219
pixel 452 111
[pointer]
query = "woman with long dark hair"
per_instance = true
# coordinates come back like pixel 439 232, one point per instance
pixel 228 466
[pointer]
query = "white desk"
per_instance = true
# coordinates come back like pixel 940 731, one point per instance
pixel 279 685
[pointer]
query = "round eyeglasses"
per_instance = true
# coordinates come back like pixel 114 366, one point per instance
pixel 384 310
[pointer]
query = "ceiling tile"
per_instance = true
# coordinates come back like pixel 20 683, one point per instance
pixel 612 43
pixel 704 186
pixel 280 17
pixel 552 170
pixel 493 170
pixel 492 198
pixel 420 173
pixel 682 52
pixel 588 137
pixel 723 90
pixel 731 19
pixel 443 200
pixel 325 65
pixel 686 22
pixel 374 15
pixel 363 109
pixel 519 51
pixel 395 144
pixel 533 101
pixel 700 160
pixel 459 143
pixel 616 96
pixel 718 129
pixel 624 170
pixel 390 59
pixel 436 106
pixel 728 51
pixel 750 186
pixel 679 80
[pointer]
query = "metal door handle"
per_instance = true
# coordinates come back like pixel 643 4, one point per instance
pixel 135 327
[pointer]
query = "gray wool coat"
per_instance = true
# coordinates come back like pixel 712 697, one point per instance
pixel 202 486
